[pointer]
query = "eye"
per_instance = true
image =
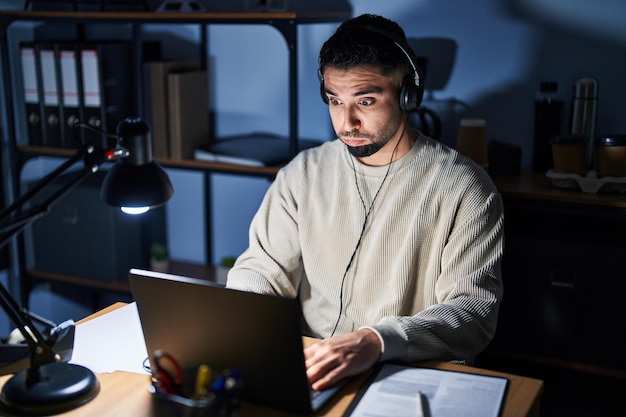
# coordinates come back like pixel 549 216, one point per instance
pixel 334 101
pixel 366 101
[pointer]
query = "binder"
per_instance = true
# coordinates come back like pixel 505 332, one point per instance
pixel 51 119
pixel 31 93
pixel 107 83
pixel 70 94
pixel 156 77
pixel 188 112
pixel 91 100
pixel 119 94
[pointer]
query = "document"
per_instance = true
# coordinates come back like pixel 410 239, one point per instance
pixel 406 391
pixel 111 342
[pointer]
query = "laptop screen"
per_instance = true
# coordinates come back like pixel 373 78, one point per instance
pixel 201 322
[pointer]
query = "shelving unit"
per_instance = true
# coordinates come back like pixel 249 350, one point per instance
pixel 285 22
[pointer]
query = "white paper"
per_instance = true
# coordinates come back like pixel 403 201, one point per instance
pixel 111 342
pixel 396 392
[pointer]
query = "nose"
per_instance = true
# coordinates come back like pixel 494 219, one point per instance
pixel 351 121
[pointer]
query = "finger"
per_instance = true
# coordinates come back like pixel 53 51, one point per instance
pixel 318 366
pixel 330 378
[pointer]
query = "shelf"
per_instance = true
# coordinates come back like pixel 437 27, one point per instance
pixel 187 269
pixel 192 164
pixel 8 16
pixel 175 17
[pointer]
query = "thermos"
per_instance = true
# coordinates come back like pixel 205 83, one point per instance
pixel 583 113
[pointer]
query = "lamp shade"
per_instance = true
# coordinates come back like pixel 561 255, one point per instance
pixel 136 180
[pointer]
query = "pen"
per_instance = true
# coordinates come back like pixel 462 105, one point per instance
pixel 202 381
pixel 422 405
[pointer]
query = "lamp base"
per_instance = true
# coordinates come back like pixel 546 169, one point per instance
pixel 58 387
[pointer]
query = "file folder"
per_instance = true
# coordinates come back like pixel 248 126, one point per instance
pixel 91 100
pixel 108 88
pixel 31 93
pixel 70 88
pixel 118 88
pixel 51 95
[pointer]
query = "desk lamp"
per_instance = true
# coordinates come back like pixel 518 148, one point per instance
pixel 135 183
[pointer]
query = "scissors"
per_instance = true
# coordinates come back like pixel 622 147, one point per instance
pixel 167 373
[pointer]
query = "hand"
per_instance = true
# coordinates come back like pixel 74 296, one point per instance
pixel 331 360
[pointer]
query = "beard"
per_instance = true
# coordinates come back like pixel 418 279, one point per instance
pixel 366 150
pixel 378 139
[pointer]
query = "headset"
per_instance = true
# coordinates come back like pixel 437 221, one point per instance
pixel 412 90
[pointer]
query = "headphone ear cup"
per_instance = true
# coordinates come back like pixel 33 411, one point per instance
pixel 410 94
pixel 323 93
pixel 322 88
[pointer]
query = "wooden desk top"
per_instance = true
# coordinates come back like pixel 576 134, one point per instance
pixel 126 394
pixel 536 186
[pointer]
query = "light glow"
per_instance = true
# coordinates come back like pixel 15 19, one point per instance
pixel 135 210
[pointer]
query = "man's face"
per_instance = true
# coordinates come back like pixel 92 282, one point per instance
pixel 365 111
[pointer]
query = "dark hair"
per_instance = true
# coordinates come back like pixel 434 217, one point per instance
pixel 362 41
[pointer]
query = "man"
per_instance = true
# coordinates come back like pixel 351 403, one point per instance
pixel 391 240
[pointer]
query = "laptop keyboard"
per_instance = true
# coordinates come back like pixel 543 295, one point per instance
pixel 314 393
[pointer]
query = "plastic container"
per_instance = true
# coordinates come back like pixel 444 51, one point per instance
pixel 569 154
pixel 611 154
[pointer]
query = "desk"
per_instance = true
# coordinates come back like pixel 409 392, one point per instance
pixel 126 394
pixel 564 268
pixel 535 186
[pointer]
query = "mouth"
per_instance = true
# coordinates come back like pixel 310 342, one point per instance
pixel 354 142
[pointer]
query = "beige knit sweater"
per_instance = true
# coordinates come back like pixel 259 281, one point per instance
pixel 426 275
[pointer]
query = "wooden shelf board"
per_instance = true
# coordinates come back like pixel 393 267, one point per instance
pixel 267 171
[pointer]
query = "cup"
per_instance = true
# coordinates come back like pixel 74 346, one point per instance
pixel 611 152
pixel 568 154
pixel 471 140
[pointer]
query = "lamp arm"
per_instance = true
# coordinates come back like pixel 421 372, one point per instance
pixel 42 351
pixel 23 219
pixel 41 184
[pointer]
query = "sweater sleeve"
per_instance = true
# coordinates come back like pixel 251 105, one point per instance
pixel 469 290
pixel 272 262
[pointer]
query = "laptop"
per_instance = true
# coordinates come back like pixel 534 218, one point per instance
pixel 198 321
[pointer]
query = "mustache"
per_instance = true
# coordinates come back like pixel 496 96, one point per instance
pixel 355 134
